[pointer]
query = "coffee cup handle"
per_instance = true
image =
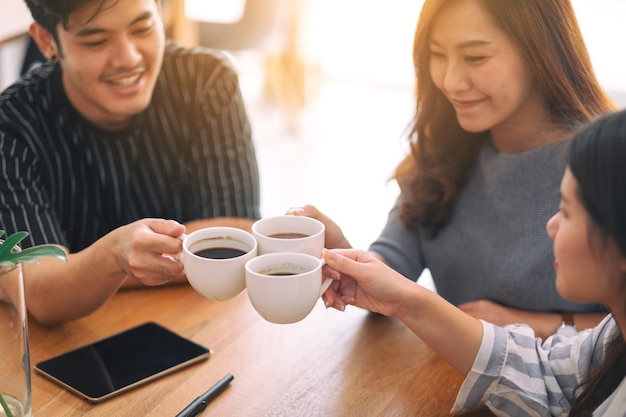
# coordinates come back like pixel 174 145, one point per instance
pixel 325 285
pixel 326 282
pixel 179 255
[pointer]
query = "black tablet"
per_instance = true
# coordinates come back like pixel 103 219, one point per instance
pixel 123 361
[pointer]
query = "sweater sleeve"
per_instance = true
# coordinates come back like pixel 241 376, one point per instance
pixel 515 375
pixel 399 247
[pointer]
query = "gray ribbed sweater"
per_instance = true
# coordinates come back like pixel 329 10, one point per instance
pixel 496 246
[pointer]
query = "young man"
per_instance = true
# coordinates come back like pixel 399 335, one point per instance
pixel 119 132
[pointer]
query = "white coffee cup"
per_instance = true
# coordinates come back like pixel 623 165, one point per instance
pixel 214 259
pixel 284 287
pixel 289 233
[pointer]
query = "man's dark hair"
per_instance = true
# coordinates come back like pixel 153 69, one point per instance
pixel 50 13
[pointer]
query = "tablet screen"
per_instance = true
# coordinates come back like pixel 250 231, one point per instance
pixel 120 362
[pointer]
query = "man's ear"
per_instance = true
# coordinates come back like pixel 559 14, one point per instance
pixel 45 41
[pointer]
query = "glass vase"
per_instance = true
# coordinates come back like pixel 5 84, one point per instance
pixel 15 382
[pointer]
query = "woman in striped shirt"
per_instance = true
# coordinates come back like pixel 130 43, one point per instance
pixel 507 368
pixel 114 148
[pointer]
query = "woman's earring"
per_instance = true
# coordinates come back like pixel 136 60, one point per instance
pixel 53 57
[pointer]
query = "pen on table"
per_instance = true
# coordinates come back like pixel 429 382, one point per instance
pixel 199 404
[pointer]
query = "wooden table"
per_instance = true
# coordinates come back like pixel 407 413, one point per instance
pixel 330 364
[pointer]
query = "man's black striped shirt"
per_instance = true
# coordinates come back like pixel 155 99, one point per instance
pixel 188 156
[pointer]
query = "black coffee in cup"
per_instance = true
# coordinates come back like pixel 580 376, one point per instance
pixel 220 253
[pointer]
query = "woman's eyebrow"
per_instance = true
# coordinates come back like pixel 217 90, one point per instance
pixel 472 43
pixel 465 44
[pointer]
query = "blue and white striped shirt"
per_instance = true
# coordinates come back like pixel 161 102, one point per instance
pixel 515 375
pixel 188 156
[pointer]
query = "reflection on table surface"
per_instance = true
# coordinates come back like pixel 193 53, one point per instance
pixel 330 364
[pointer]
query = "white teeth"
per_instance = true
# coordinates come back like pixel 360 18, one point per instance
pixel 124 82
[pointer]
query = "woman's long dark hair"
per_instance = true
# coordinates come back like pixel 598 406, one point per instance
pixel 596 161
pixel 442 153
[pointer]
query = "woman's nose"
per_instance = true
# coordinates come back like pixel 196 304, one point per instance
pixel 456 78
pixel 552 225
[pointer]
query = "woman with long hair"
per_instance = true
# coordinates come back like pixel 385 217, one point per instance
pixel 501 87
pixel 507 368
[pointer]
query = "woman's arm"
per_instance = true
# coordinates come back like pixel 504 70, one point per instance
pixel 368 283
pixel 544 324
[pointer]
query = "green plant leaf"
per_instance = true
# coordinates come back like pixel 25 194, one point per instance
pixel 9 256
pixel 5 406
pixel 32 255
pixel 7 247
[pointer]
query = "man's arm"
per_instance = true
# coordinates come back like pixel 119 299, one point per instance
pixel 60 291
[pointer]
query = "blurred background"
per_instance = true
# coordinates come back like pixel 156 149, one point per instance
pixel 329 89
pixel 329 86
